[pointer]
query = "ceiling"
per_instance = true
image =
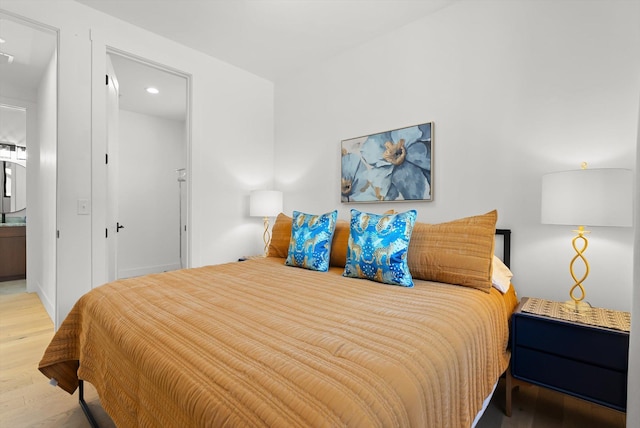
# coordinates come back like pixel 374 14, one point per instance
pixel 270 38
pixel 133 79
pixel 31 49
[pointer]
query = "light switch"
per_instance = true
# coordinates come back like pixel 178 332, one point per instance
pixel 84 208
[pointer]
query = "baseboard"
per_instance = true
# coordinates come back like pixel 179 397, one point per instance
pixel 48 304
pixel 146 270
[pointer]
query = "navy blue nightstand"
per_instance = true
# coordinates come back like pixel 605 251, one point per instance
pixel 585 361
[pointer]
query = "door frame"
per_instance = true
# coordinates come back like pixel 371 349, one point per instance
pixel 111 162
pixel 99 53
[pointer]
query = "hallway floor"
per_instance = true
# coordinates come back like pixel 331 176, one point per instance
pixel 13 287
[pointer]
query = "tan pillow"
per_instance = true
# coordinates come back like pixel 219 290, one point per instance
pixel 457 252
pixel 280 236
pixel 340 244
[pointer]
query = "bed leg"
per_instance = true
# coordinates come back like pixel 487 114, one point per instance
pixel 509 390
pixel 511 384
pixel 85 406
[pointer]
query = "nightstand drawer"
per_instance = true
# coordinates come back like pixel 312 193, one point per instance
pixel 593 383
pixel 604 348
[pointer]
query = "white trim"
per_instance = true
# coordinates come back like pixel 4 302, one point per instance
pixel 49 306
pixel 146 270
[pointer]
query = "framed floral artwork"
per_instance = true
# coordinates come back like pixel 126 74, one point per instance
pixel 389 166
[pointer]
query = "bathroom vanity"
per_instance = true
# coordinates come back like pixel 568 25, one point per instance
pixel 13 251
pixel 13 227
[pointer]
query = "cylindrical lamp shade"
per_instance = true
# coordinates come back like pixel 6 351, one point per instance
pixel 588 197
pixel 265 203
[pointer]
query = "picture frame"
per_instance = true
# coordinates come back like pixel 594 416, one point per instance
pixel 395 165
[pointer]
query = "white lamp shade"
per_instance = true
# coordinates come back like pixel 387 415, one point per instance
pixel 588 197
pixel 265 203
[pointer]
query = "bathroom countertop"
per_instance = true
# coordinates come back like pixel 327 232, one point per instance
pixel 12 224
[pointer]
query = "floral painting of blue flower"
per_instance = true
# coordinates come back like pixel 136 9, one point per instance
pixel 388 166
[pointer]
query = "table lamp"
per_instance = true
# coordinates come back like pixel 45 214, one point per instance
pixel 586 197
pixel 265 204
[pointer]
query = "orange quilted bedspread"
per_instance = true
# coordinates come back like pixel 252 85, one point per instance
pixel 258 343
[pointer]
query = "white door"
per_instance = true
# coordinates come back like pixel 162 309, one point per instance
pixel 112 171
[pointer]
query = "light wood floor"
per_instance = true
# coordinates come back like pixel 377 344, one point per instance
pixel 27 400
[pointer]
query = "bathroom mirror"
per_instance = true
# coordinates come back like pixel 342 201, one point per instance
pixel 13 179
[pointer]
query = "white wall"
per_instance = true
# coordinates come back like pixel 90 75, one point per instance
pixel 150 150
pixel 515 90
pixel 232 135
pixel 633 383
pixel 44 242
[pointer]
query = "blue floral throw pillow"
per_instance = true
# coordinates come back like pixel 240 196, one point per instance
pixel 310 243
pixel 378 247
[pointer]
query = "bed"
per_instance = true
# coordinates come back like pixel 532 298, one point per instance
pixel 264 343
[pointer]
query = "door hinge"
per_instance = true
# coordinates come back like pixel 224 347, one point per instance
pixel 106 82
pixel 58 234
pixel 106 232
pixel 106 158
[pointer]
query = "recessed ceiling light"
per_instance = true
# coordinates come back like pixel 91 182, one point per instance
pixel 2 40
pixel 153 90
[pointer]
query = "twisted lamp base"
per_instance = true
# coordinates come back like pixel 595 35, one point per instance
pixel 266 236
pixel 576 303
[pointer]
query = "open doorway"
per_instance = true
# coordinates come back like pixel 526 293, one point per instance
pixel 147 169
pixel 28 139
